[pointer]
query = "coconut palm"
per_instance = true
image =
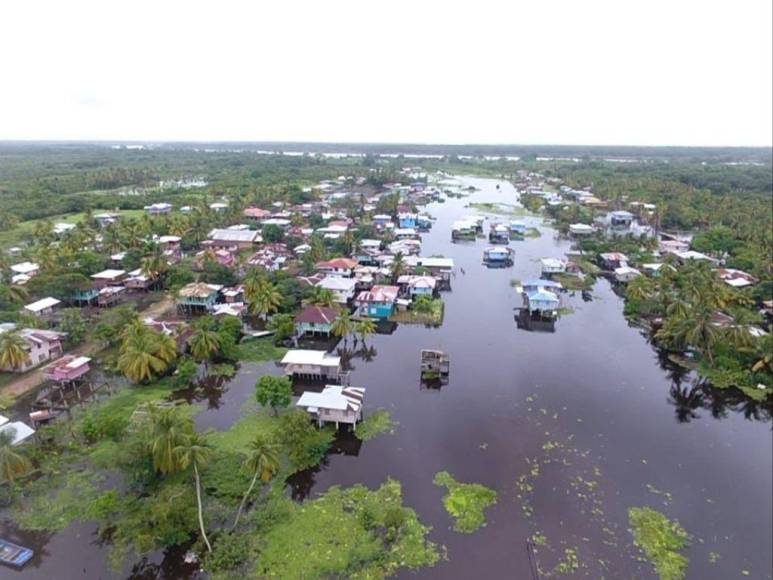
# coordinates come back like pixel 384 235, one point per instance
pixel 13 464
pixel 168 429
pixel 263 298
pixel 263 462
pixel 398 267
pixel 342 326
pixel 204 343
pixel 640 288
pixel 365 328
pixel 319 296
pixel 195 451
pixel 153 265
pixel 14 352
pixel 145 352
pixel 740 336
pixel 764 354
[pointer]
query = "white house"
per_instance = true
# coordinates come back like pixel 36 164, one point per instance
pixel 343 288
pixel 335 404
pixel 311 363
pixel 43 306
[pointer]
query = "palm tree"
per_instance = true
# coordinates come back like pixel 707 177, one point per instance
pixel 263 298
pixel 145 352
pixel 342 326
pixel 168 429
pixel 153 265
pixel 398 267
pixel 365 328
pixel 12 463
pixel 319 296
pixel 195 451
pixel 263 462
pixel 204 344
pixel 14 352
pixel 640 288
pixel 740 337
pixel 764 355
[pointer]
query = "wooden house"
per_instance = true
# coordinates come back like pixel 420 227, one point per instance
pixel 110 296
pixel 542 302
pixel 315 320
pixel 435 364
pixel 498 256
pixel 499 234
pixel 108 277
pixel 68 368
pixel 337 267
pixel 198 297
pixel 342 288
pixel 552 266
pixel 378 302
pixel 625 274
pixel 415 286
pixel 314 364
pixel 228 238
pixel 136 280
pixel 42 307
pixel 517 229
pixel 613 260
pixel 40 345
pixel 335 404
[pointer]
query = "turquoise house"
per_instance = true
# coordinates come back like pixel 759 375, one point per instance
pixel 378 302
pixel 85 296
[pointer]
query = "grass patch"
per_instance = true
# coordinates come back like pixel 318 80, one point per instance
pixel 532 233
pixel 380 421
pixel 571 282
pixel 346 533
pixel 430 313
pixel 661 540
pixel 466 502
pixel 42 509
pixel 238 437
pixel 260 350
pixel 500 208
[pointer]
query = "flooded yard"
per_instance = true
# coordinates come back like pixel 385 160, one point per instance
pixel 570 427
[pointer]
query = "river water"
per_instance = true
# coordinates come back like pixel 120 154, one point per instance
pixel 570 427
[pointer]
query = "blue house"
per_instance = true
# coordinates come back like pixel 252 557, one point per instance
pixel 518 228
pixel 542 301
pixel 378 302
pixel 86 296
pixel 407 220
pixel 198 296
pixel 423 223
pixel 498 255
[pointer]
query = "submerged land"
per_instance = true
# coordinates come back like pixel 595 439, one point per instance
pixel 605 314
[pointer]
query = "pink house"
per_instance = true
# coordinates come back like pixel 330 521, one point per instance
pixel 68 368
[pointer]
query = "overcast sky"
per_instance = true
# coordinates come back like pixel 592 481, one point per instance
pixel 640 72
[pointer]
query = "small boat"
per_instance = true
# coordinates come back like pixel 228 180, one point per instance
pixel 13 555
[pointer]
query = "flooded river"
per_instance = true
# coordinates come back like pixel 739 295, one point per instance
pixel 570 427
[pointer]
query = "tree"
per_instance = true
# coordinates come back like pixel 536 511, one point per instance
pixel 205 343
pixel 283 326
pixel 262 461
pixel 168 429
pixel 13 464
pixel 145 353
pixel 14 352
pixel 274 392
pixel 342 326
pixel 398 267
pixel 640 288
pixel 153 265
pixel 263 298
pixel 272 233
pixel 73 324
pixel 365 328
pixel 319 296
pixel 195 451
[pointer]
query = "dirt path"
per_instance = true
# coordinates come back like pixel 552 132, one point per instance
pixel 34 378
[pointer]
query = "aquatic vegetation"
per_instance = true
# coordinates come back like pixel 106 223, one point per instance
pixel 380 421
pixel 532 233
pixel 500 208
pixel 260 350
pixel 466 502
pixel 351 532
pixel 423 311
pixel 573 282
pixel 661 540
pixel 53 503
pixel 224 370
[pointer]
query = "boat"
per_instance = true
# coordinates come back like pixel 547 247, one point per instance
pixel 13 555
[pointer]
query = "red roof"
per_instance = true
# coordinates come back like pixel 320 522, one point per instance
pixel 256 212
pixel 379 294
pixel 317 315
pixel 338 264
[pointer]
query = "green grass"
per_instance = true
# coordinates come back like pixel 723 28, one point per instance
pixel 432 316
pixel 466 502
pixel 380 421
pixel 346 533
pixel 24 229
pixel 237 438
pixel 571 282
pixel 260 350
pixel 661 540
pixel 505 209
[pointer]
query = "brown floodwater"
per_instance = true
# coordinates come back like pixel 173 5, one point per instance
pixel 571 423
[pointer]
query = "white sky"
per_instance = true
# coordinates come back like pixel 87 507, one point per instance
pixel 648 72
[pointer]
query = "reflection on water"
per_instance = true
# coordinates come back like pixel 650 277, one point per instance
pixel 591 383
